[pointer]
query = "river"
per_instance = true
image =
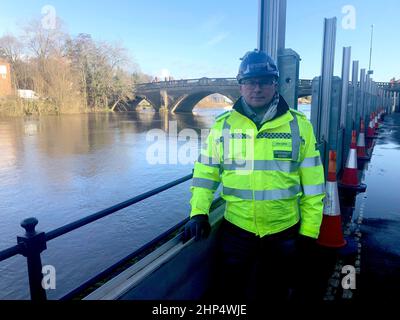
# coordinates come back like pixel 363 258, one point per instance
pixel 62 168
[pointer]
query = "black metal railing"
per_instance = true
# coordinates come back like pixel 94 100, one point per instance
pixel 33 242
pixel 88 286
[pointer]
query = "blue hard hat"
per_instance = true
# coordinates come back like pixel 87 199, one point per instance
pixel 257 64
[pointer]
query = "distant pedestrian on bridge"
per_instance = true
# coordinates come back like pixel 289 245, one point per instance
pixel 265 156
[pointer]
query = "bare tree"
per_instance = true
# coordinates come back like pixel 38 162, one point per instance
pixel 11 48
pixel 104 81
pixel 42 42
pixel 69 71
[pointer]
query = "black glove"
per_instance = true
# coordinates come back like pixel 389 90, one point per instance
pixel 198 227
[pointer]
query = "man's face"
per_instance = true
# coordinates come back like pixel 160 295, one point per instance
pixel 258 92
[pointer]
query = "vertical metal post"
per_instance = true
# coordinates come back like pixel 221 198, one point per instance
pixel 361 111
pixel 366 101
pixel 386 102
pixel 370 106
pixel 344 133
pixel 383 98
pixel 316 108
pixel 288 62
pixel 392 101
pixel 374 95
pixel 336 133
pixel 282 26
pixel 378 96
pixel 32 244
pixel 354 81
pixel 377 93
pixel 271 39
pixel 271 26
pixel 328 56
pixel 345 84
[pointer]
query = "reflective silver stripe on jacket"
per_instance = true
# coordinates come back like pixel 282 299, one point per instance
pixel 225 139
pixel 294 128
pixel 313 189
pixel 263 194
pixel 311 162
pixel 205 183
pixel 208 161
pixel 273 165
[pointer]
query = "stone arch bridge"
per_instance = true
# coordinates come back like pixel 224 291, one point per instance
pixel 183 95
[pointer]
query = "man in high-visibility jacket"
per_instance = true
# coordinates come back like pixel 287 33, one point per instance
pixel 265 156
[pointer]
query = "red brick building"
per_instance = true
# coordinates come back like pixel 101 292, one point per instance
pixel 5 79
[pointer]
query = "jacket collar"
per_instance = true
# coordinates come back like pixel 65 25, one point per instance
pixel 282 115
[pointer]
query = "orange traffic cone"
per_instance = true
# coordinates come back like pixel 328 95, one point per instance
pixel 370 131
pixel 361 152
pixel 376 122
pixel 380 116
pixel 330 234
pixel 370 134
pixel 350 172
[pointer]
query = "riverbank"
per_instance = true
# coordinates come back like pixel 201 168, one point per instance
pixel 17 107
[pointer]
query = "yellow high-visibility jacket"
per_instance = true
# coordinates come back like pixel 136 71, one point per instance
pixel 271 176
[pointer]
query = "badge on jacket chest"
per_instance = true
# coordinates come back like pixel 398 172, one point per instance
pixel 282 154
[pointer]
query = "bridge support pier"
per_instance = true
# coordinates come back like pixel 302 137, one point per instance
pixel 164 100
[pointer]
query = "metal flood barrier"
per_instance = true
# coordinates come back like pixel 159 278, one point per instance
pixel 338 105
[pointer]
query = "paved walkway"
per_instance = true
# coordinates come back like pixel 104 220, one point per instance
pixel 379 212
pixel 372 227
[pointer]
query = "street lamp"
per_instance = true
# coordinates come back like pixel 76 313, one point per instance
pixel 370 51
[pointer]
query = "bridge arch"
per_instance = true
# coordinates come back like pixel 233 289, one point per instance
pixel 187 102
pixel 134 103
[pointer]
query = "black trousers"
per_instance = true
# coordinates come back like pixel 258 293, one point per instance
pixel 254 268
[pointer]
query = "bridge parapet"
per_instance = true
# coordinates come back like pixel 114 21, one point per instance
pixel 230 82
pixel 391 86
pixel 188 83
pixel 201 82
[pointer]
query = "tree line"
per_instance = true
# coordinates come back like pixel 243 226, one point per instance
pixel 68 73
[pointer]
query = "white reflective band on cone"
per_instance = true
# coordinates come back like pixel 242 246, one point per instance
pixel 331 201
pixel 361 140
pixel 351 162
